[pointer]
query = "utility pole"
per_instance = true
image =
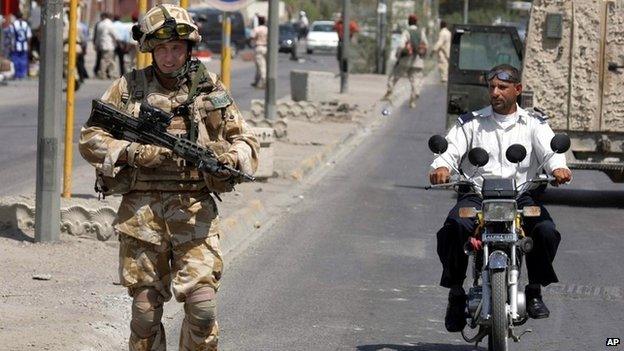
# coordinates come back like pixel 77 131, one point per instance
pixel 344 57
pixel 48 203
pixel 466 11
pixel 269 93
pixel 382 10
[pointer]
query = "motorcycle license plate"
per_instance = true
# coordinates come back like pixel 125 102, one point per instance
pixel 498 237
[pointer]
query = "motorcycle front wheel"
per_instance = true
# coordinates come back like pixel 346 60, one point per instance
pixel 497 340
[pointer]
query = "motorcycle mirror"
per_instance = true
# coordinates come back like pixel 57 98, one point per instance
pixel 478 157
pixel 560 143
pixel 437 144
pixel 515 153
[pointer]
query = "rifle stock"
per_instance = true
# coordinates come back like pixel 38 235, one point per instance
pixel 151 128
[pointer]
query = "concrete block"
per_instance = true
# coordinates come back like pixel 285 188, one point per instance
pixel 267 151
pixel 312 85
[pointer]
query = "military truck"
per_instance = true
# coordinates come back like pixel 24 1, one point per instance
pixel 574 70
pixel 475 49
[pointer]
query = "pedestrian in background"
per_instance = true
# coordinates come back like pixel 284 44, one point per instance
pixel 259 38
pixel 98 53
pixel 122 33
pixel 7 70
pixel 410 63
pixel 443 48
pixel 83 39
pixel 106 43
pixel 302 25
pixel 339 28
pixel 20 35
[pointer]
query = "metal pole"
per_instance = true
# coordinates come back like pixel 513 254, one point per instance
pixel 47 214
pixel 69 107
pixel 466 11
pixel 226 53
pixel 344 57
pixel 382 10
pixel 269 93
pixel 184 3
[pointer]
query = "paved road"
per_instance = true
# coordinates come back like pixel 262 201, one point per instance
pixel 18 115
pixel 353 265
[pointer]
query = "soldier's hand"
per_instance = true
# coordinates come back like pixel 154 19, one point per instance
pixel 440 175
pixel 562 176
pixel 151 156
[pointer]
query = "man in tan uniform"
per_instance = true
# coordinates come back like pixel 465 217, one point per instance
pixel 443 48
pixel 168 222
pixel 410 61
pixel 259 38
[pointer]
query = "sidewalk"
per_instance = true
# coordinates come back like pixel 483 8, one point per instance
pixel 65 296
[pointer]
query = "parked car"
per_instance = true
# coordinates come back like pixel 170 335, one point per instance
pixel 322 36
pixel 209 22
pixel 287 37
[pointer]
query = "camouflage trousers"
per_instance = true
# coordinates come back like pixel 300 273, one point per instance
pixel 414 75
pixel 186 267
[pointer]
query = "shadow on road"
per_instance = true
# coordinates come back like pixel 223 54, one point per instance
pixel 583 198
pixel 419 347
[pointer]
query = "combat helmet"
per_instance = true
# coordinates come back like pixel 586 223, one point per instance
pixel 164 23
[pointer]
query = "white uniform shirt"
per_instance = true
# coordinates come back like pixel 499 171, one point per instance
pixel 480 129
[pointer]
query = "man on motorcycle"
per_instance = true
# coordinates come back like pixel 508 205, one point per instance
pixel 495 128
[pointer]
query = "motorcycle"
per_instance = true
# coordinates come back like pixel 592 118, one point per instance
pixel 497 248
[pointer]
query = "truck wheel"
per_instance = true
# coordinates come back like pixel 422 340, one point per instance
pixel 497 340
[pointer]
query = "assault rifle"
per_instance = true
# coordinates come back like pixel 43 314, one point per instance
pixel 151 128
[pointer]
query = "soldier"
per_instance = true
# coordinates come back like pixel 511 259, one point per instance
pixel 410 59
pixel 495 128
pixel 168 222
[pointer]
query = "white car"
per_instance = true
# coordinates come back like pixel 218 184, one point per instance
pixel 322 36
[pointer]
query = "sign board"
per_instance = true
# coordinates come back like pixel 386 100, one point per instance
pixel 226 5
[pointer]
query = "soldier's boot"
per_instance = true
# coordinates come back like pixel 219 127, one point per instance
pixel 200 331
pixel 413 100
pixel 146 331
pixel 156 342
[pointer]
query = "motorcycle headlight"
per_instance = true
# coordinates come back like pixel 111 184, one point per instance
pixel 499 211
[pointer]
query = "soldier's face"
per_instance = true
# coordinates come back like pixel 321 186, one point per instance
pixel 171 56
pixel 503 95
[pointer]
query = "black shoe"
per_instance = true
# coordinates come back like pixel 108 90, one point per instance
pixel 455 319
pixel 536 308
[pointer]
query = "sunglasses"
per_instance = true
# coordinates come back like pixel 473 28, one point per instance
pixel 502 75
pixel 170 28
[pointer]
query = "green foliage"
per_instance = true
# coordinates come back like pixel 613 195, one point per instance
pixel 363 55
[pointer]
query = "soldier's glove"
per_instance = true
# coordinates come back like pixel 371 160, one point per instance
pixel 150 156
pixel 228 159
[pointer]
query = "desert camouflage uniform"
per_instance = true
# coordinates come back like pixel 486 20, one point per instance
pixel 168 222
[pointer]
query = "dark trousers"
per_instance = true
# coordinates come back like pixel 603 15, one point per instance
pixel 456 231
pixel 20 63
pixel 80 66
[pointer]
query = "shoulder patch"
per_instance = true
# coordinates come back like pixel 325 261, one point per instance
pixel 219 99
pixel 538 114
pixel 466 117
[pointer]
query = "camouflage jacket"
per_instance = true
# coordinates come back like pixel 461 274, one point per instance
pixel 219 126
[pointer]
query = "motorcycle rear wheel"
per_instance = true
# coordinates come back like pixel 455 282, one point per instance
pixel 497 340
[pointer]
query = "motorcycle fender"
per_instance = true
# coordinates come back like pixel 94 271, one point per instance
pixel 497 260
